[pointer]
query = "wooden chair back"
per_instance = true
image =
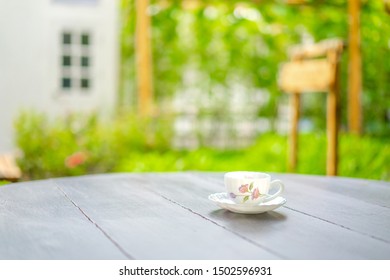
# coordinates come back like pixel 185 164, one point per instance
pixel 311 69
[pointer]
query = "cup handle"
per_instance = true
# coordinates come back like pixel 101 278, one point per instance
pixel 275 183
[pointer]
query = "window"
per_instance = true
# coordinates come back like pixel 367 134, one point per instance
pixel 66 60
pixel 75 61
pixel 84 83
pixel 85 39
pixel 66 83
pixel 67 38
pixel 84 61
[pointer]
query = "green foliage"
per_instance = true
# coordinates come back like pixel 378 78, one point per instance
pixel 210 49
pixel 129 144
pixel 2 183
pixel 355 159
pixel 376 67
pixel 365 157
pixel 244 42
pixel 82 144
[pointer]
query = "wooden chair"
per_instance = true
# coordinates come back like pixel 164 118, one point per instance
pixel 314 68
pixel 8 169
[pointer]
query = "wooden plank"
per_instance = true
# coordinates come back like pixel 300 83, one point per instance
pixel 306 76
pixel 144 58
pixel 319 49
pixel 332 120
pixel 293 233
pixel 168 216
pixel 151 226
pixel 358 216
pixel 38 222
pixel 355 68
pixel 350 187
pixel 328 202
pixel 293 137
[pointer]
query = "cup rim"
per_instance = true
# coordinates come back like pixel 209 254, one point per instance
pixel 252 175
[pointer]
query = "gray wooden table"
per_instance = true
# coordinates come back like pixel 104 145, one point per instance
pixel 168 216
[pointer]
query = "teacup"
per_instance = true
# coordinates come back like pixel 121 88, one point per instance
pixel 246 187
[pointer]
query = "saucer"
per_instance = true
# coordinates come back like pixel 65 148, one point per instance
pixel 223 201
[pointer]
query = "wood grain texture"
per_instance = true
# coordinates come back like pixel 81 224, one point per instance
pixel 332 117
pixel 144 58
pixel 38 222
pixel 297 234
pixel 168 216
pixel 355 68
pixel 332 132
pixel 293 136
pixel 361 190
pixel 306 76
pixel 148 225
pixel 326 199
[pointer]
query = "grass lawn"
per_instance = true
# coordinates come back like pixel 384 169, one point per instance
pixel 363 157
pixel 52 150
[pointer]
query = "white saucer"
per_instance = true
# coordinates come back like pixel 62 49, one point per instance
pixel 223 201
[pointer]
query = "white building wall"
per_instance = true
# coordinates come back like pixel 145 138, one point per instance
pixel 30 57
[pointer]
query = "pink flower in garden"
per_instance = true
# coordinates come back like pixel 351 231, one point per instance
pixel 243 188
pixel 75 159
pixel 255 193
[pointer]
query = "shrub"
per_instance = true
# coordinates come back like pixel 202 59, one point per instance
pixel 230 43
pixel 365 157
pixel 80 144
pixel 2 183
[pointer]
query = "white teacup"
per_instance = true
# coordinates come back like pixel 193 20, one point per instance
pixel 248 187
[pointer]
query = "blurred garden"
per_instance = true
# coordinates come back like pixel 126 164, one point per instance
pixel 217 105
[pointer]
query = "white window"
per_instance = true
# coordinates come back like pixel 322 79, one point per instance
pixel 76 61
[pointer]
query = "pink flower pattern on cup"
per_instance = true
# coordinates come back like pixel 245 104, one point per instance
pixel 243 188
pixel 255 193
pixel 247 191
